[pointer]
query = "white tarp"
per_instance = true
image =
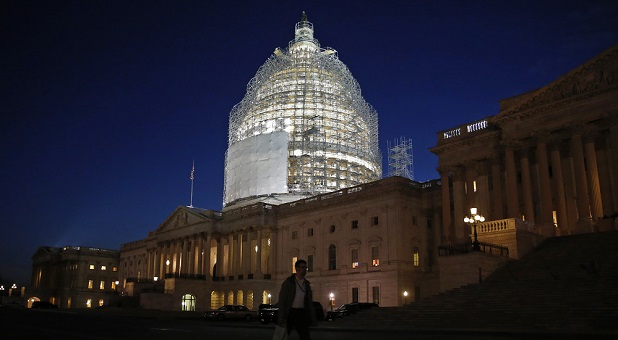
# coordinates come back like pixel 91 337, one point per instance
pixel 257 166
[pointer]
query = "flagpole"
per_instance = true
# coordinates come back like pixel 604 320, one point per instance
pixel 191 177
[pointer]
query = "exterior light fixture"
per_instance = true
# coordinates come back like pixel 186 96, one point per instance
pixel 332 300
pixel 405 296
pixel 474 220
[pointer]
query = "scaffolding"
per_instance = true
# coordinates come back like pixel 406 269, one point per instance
pixel 331 131
pixel 400 160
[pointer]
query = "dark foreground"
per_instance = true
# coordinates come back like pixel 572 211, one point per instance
pixel 105 324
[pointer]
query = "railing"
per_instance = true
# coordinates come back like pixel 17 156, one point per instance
pixel 503 225
pixel 464 248
pixel 185 276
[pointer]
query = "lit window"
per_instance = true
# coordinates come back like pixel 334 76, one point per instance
pixel 92 267
pixel 416 257
pixel 102 285
pixel 114 285
pixel 103 267
pixel 114 269
pixel 375 256
pixel 100 302
pixel 90 283
pixel 474 185
pixel 89 303
pixel 354 258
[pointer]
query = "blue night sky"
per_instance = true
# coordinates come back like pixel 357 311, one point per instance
pixel 106 103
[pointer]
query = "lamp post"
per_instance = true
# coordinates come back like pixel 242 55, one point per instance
pixel 474 220
pixel 269 298
pixel 405 296
pixel 332 301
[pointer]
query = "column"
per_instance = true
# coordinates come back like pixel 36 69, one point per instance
pixel 157 262
pixel 258 254
pixel 592 171
pixel 461 230
pixel 231 259
pixel 526 187
pixel 199 269
pixel 447 224
pixel 496 194
pixel 581 185
pixel 207 265
pixel 273 252
pixel 545 213
pixel 614 160
pixel 219 263
pixel 561 210
pixel 512 197
pixel 246 254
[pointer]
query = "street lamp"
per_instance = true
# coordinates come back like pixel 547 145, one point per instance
pixel 405 296
pixel 474 220
pixel 332 301
pixel 269 298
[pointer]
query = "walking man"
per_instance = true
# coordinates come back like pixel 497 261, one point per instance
pixel 296 309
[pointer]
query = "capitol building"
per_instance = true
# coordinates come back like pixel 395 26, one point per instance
pixel 303 180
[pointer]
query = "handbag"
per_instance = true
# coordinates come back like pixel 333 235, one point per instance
pixel 281 333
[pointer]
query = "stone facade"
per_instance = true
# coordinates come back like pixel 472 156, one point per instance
pixel 547 158
pixel 74 277
pixel 368 243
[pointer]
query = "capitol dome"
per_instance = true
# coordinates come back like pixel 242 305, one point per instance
pixel 302 128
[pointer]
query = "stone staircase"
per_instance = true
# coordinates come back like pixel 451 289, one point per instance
pixel 567 284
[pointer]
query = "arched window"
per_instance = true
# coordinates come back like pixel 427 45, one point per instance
pixel 332 257
pixel 188 303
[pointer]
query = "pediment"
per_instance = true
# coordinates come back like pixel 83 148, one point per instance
pixel 181 217
pixel 595 76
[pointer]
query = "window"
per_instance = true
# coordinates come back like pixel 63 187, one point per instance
pixel 103 267
pixel 309 263
pixel 354 258
pixel 100 302
pixel 375 256
pixel 113 285
pixel 374 220
pixel 102 285
pixel 474 185
pixel 294 235
pixel 332 257
pixel 88 303
pixel 309 232
pixel 92 267
pixel 416 257
pixel 90 283
pixel 414 220
pixel 355 224
pixel 355 295
pixel 114 269
pixel 332 229
pixel 376 295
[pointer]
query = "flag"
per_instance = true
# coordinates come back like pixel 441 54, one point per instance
pixel 192 171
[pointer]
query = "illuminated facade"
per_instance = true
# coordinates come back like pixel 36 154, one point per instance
pixel 544 165
pixel 74 277
pixel 302 128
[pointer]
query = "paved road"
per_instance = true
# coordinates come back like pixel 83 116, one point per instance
pixel 76 324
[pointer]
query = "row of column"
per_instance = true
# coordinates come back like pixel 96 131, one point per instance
pixel 191 255
pixel 572 184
